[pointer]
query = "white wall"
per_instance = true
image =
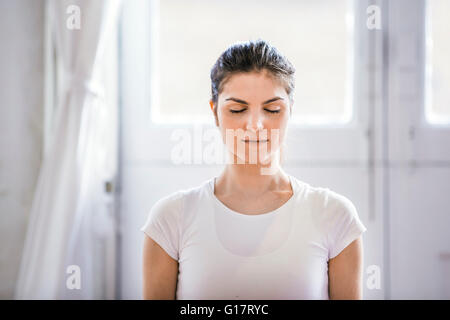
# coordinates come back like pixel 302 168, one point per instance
pixel 21 126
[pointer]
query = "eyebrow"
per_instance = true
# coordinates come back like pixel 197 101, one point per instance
pixel 246 103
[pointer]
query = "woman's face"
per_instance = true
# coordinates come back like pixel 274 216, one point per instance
pixel 253 109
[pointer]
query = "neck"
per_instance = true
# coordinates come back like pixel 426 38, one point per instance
pixel 253 179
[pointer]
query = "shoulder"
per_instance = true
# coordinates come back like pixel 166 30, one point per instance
pixel 324 198
pixel 339 218
pixel 336 202
pixel 175 202
pixel 167 207
pixel 327 206
pixel 168 201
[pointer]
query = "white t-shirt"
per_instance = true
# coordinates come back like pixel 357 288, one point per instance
pixel 283 254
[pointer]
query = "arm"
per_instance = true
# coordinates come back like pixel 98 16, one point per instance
pixel 345 273
pixel 160 272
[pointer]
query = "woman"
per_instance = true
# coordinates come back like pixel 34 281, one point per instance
pixel 254 232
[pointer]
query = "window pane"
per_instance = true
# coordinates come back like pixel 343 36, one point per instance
pixel 189 36
pixel 438 62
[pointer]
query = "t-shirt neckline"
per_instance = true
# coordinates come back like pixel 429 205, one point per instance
pixel 254 216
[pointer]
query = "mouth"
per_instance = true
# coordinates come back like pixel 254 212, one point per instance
pixel 256 141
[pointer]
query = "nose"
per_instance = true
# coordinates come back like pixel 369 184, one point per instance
pixel 254 123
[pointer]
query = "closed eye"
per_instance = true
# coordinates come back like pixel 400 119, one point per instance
pixel 239 111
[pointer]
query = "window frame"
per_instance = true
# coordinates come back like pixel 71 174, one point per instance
pixel 346 143
pixel 424 139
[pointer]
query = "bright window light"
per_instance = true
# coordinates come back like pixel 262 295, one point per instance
pixel 188 36
pixel 437 68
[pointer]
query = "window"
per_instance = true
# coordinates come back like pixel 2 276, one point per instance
pixel 437 69
pixel 188 36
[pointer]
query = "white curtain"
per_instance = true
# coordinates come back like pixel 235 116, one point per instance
pixel 69 211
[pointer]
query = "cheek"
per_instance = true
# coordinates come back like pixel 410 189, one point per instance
pixel 228 124
pixel 277 128
pixel 276 123
pixel 228 120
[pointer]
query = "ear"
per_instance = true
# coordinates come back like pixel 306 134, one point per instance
pixel 211 103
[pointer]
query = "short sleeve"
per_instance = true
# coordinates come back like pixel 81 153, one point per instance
pixel 163 223
pixel 345 225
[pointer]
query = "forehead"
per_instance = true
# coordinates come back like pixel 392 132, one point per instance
pixel 253 85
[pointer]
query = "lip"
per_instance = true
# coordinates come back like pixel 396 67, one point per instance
pixel 255 140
